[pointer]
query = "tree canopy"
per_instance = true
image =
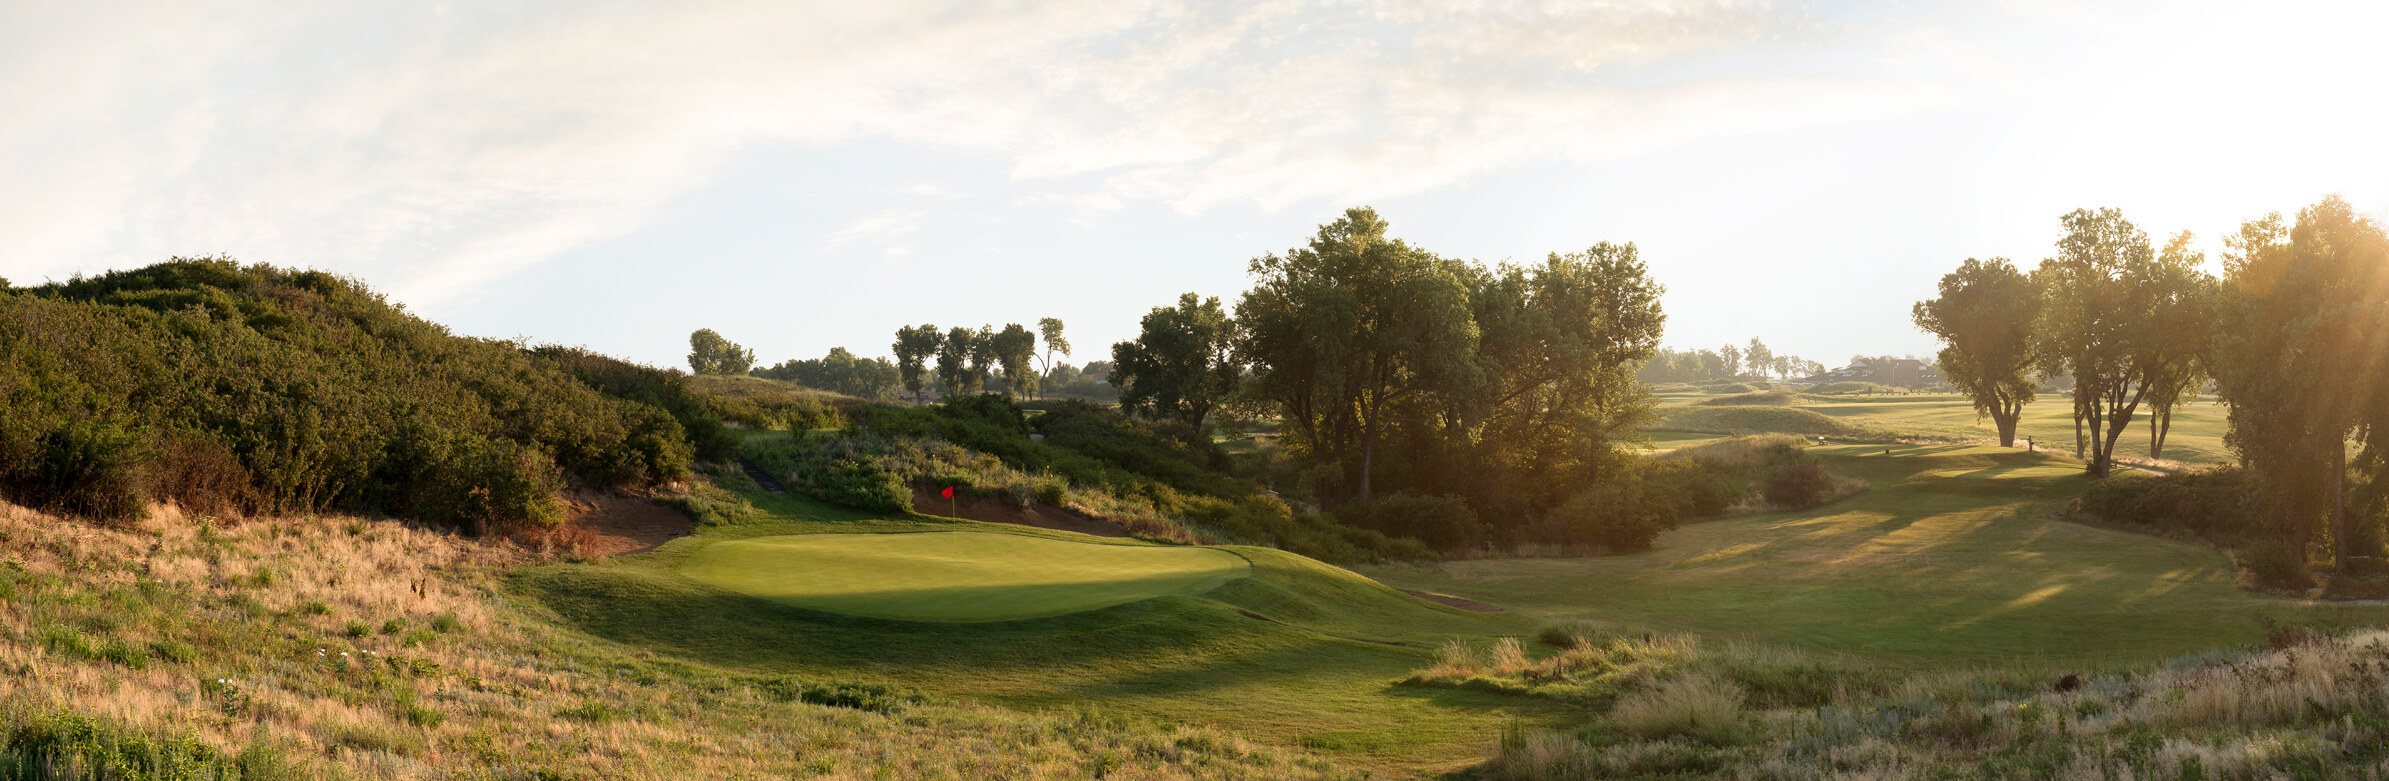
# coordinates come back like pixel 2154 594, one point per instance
pixel 1985 318
pixel 709 353
pixel 1182 363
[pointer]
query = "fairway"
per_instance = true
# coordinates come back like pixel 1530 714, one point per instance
pixel 957 576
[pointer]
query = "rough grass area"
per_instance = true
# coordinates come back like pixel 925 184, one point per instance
pixel 956 576
pixel 1952 557
pixel 307 648
pixel 2304 706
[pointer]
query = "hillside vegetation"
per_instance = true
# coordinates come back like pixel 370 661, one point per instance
pixel 251 389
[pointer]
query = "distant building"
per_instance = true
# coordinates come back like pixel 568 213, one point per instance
pixel 1906 372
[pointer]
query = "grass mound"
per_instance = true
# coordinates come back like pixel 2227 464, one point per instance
pixel 1848 388
pixel 956 576
pixel 1755 420
pixel 1760 399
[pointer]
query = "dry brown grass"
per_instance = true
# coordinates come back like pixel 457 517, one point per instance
pixel 375 650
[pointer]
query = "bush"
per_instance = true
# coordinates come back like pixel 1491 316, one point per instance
pixel 1443 523
pixel 2216 504
pixel 1797 482
pixel 1618 516
pixel 2276 564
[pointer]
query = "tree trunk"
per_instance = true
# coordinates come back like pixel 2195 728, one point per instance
pixel 1368 460
pixel 2006 421
pixel 2162 424
pixel 2339 510
pixel 2078 412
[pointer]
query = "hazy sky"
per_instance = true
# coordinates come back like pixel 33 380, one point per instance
pixel 805 175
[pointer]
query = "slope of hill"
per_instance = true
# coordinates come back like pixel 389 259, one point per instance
pixel 230 388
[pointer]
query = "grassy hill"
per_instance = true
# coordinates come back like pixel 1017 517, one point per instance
pixel 1288 650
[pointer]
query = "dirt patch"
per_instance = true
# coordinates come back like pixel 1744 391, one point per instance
pixel 1463 604
pixel 980 508
pixel 617 524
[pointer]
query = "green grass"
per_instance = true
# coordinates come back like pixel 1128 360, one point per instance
pixel 2195 438
pixel 956 576
pixel 1295 652
pixel 1951 559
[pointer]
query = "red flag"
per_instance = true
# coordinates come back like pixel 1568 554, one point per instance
pixel 948 493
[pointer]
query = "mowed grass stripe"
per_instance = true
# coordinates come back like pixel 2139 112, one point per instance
pixel 956 576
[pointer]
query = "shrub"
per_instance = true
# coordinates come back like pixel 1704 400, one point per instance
pixel 2276 564
pixel 1798 483
pixel 1443 523
pixel 1619 516
pixel 2217 504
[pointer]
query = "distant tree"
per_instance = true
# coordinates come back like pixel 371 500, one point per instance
pixel 982 354
pixel 914 345
pixel 840 371
pixel 709 353
pixel 1985 318
pixel 1733 359
pixel 955 375
pixel 1014 348
pixel 1760 359
pixel 1050 329
pixel 1182 364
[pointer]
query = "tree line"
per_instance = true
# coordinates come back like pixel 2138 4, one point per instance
pixel 1729 362
pixel 957 361
pixel 2289 337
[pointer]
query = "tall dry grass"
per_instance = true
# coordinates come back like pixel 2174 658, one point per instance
pixel 373 650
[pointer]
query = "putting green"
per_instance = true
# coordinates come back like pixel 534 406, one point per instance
pixel 956 576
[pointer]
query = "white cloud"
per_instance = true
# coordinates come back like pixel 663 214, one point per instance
pixel 466 145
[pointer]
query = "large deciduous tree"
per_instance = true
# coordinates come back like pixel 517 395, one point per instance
pixel 1985 319
pixel 709 353
pixel 1760 359
pixel 2300 356
pixel 2109 299
pixel 1553 383
pixel 1345 329
pixel 1182 364
pixel 914 345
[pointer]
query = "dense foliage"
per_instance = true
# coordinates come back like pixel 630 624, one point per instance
pixel 230 388
pixel 1159 481
pixel 841 372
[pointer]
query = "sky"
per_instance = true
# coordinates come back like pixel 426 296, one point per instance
pixel 800 176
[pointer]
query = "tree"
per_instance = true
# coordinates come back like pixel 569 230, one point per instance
pixel 1182 364
pixel 1344 329
pixel 1984 319
pixel 2108 300
pixel 1050 329
pixel 914 345
pixel 955 375
pixel 709 353
pixel 982 355
pixel 1733 359
pixel 1552 384
pixel 2299 356
pixel 1760 359
pixel 1013 348
pixel 840 371
pixel 2181 326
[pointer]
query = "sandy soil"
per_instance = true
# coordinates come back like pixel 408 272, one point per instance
pixel 624 524
pixel 926 501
